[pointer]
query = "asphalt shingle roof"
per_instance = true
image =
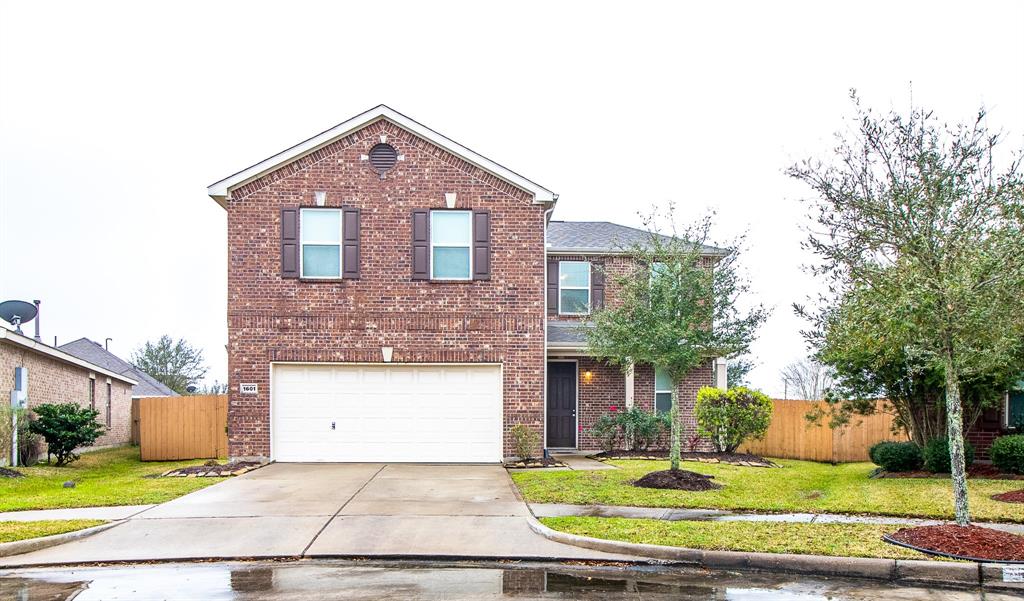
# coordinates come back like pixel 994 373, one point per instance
pixel 566 333
pixel 93 352
pixel 599 236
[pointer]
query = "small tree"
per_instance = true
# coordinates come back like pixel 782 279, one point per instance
pixel 676 310
pixel 175 363
pixel 931 219
pixel 729 417
pixel 65 427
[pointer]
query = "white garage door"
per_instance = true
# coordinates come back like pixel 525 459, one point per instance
pixel 415 413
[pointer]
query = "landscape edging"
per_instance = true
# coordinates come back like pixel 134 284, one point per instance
pixel 28 545
pixel 902 570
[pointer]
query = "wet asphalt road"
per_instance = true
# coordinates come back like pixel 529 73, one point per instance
pixel 313 580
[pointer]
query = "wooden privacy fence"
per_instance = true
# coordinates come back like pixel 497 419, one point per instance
pixel 791 436
pixel 183 427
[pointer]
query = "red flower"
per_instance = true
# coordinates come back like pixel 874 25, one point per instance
pixel 614 408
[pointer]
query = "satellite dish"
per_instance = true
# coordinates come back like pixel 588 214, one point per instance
pixel 16 312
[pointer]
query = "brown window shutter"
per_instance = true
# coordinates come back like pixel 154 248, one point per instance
pixel 290 242
pixel 421 244
pixel 350 243
pixel 596 286
pixel 481 244
pixel 552 287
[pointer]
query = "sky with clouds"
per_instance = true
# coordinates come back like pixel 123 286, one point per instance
pixel 114 117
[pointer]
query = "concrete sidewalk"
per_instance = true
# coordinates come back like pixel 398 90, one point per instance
pixel 120 512
pixel 330 510
pixel 551 510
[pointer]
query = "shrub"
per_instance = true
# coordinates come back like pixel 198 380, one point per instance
pixel 524 441
pixel 641 429
pixel 728 417
pixel 1008 453
pixel 936 455
pixel 66 427
pixel 606 431
pixel 896 456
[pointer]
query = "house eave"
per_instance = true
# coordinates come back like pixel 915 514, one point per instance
pixel 221 191
pixel 49 351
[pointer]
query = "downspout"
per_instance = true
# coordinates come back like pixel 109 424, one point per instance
pixel 544 288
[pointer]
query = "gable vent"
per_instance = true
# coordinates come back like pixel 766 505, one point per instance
pixel 383 157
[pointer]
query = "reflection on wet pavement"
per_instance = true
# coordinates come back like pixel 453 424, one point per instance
pixel 311 580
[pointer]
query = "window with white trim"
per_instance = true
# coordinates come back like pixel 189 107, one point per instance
pixel 574 287
pixel 320 230
pixel 110 420
pixel 662 391
pixel 451 241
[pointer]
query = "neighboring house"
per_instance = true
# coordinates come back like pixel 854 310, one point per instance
pixel 391 298
pixel 1008 419
pixel 56 376
pixel 92 351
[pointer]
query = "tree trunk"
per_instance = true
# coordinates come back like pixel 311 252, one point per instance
pixel 955 430
pixel 673 453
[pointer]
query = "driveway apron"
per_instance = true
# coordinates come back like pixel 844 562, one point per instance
pixel 329 510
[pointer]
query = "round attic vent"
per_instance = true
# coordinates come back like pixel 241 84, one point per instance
pixel 383 157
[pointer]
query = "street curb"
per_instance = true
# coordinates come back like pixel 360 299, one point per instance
pixel 903 571
pixel 34 544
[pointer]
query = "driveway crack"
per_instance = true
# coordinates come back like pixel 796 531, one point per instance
pixel 340 509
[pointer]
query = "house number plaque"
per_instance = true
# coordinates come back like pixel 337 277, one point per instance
pixel 248 388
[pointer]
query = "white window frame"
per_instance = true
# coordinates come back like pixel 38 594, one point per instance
pixel 468 246
pixel 657 392
pixel 587 288
pixel 340 244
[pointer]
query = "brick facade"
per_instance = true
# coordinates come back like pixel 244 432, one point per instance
pixel 53 381
pixel 270 318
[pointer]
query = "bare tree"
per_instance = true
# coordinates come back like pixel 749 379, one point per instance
pixel 806 379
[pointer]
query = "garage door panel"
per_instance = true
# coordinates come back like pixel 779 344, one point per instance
pixel 435 413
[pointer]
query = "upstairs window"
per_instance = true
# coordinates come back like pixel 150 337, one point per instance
pixel 574 288
pixel 662 391
pixel 451 242
pixel 321 243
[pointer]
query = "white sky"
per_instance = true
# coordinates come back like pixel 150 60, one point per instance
pixel 114 117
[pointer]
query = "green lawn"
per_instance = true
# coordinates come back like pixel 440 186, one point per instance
pixel 108 477
pixel 848 540
pixel 12 531
pixel 800 486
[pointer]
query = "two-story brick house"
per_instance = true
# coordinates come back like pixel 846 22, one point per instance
pixel 395 296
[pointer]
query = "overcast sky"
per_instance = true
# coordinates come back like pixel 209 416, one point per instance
pixel 115 117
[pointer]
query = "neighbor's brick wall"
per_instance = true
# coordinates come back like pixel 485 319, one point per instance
pixel 985 430
pixel 273 319
pixel 53 381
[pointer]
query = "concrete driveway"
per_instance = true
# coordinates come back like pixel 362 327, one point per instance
pixel 329 510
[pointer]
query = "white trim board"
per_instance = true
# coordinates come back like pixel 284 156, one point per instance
pixel 221 190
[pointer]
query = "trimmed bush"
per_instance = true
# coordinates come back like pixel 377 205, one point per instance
pixel 1007 453
pixel 641 429
pixel 935 455
pixel 524 441
pixel 606 431
pixel 897 456
pixel 728 417
pixel 65 427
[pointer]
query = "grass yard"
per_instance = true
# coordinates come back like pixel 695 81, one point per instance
pixel 12 531
pixel 799 486
pixel 108 477
pixel 848 540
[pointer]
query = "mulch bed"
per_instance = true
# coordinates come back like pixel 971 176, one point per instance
pixel 745 459
pixel 962 542
pixel 535 463
pixel 1014 496
pixel 9 473
pixel 979 471
pixel 677 480
pixel 212 469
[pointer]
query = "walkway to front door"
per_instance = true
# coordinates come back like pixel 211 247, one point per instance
pixel 561 405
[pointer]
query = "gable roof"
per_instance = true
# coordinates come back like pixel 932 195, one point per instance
pixel 601 237
pixel 221 190
pixel 36 346
pixel 93 352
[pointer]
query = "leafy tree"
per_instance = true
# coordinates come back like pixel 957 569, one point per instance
pixel 927 217
pixel 737 371
pixel 806 379
pixel 175 363
pixel 65 427
pixel 667 305
pixel 728 417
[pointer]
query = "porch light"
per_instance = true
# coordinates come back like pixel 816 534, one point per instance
pixel 588 376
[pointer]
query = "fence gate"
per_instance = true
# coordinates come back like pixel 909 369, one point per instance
pixel 183 427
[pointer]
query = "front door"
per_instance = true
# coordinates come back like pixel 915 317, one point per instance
pixel 561 404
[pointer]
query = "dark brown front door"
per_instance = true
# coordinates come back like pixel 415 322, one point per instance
pixel 561 404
